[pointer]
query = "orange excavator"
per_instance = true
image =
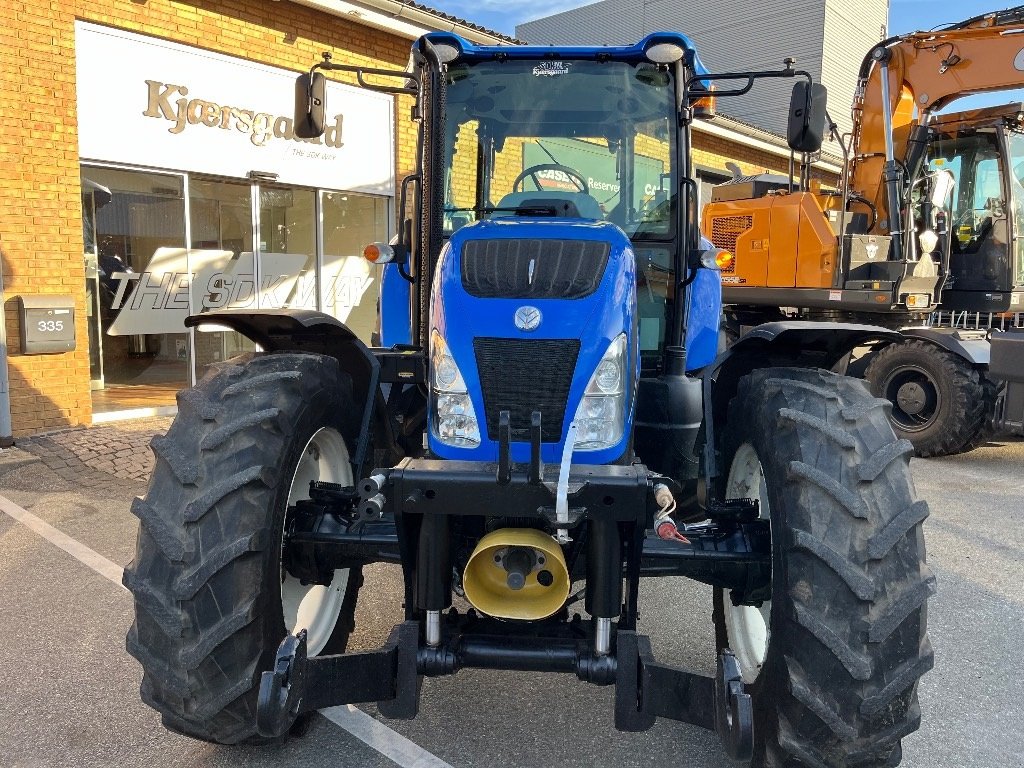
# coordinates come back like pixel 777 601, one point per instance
pixel 929 216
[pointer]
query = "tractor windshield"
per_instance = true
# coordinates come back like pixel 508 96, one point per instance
pixel 585 139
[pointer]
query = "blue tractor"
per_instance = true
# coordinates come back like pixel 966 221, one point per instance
pixel 543 420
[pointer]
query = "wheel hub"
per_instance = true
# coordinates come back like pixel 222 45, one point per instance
pixel 912 398
pixel 915 397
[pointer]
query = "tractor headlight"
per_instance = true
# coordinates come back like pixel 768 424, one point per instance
pixel 454 418
pixel 600 417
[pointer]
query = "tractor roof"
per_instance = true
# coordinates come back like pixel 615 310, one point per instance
pixel 631 53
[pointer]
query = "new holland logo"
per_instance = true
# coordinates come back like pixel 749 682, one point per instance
pixel 527 318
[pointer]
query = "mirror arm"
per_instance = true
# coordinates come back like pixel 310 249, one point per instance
pixel 360 72
pixel 749 77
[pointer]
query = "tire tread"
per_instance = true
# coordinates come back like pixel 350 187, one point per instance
pixel 200 571
pixel 848 641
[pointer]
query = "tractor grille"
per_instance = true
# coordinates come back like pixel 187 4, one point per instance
pixel 521 376
pixel 533 269
pixel 725 230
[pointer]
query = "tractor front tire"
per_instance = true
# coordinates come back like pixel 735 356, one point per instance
pixel 210 591
pixel 832 661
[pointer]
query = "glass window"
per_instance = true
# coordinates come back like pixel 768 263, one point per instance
pixel 988 184
pixel 250 246
pixel 93 196
pixel 978 201
pixel 573 138
pixel 1016 142
pixel 221 261
pixel 349 283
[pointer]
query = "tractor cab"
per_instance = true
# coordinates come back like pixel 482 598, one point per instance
pixel 557 170
pixel 560 180
pixel 983 152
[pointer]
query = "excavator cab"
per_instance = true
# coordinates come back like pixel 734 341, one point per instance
pixel 983 150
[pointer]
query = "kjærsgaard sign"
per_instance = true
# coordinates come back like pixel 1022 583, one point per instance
pixel 150 102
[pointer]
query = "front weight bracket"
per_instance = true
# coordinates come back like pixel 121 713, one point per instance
pixel 734 711
pixel 646 689
pixel 282 689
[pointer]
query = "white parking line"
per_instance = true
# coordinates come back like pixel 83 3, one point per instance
pixel 371 732
pixel 374 733
pixel 106 568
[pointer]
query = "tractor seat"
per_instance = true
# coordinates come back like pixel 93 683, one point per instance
pixel 575 205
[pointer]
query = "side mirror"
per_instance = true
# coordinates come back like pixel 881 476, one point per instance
pixel 310 105
pixel 806 128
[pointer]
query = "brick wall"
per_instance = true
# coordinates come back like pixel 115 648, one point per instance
pixel 714 151
pixel 40 195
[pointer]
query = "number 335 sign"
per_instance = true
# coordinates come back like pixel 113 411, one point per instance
pixel 47 324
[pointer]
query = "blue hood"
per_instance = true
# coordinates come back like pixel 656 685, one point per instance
pixel 595 320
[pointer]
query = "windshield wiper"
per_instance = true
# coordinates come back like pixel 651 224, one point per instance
pixel 547 152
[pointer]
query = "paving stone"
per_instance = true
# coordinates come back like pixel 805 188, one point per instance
pixel 99 456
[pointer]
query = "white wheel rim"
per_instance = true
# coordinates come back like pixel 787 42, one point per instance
pixel 748 627
pixel 314 607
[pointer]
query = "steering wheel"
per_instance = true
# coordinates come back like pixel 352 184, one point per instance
pixel 574 176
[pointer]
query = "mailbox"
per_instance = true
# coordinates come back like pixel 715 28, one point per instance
pixel 47 324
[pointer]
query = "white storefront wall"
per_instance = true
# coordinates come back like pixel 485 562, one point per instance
pixel 150 102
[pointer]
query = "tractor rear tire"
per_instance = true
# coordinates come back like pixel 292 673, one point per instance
pixel 843 640
pixel 207 576
pixel 947 408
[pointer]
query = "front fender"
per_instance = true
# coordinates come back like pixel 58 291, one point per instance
pixel 785 343
pixel 972 346
pixel 306 330
pixel 791 343
pixel 797 338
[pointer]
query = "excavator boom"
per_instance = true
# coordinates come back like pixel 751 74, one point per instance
pixel 926 71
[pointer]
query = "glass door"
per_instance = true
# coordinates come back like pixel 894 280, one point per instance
pixel 137 286
pixel 253 246
pixel 286 267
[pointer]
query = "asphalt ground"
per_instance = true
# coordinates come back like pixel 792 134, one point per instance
pixel 70 691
